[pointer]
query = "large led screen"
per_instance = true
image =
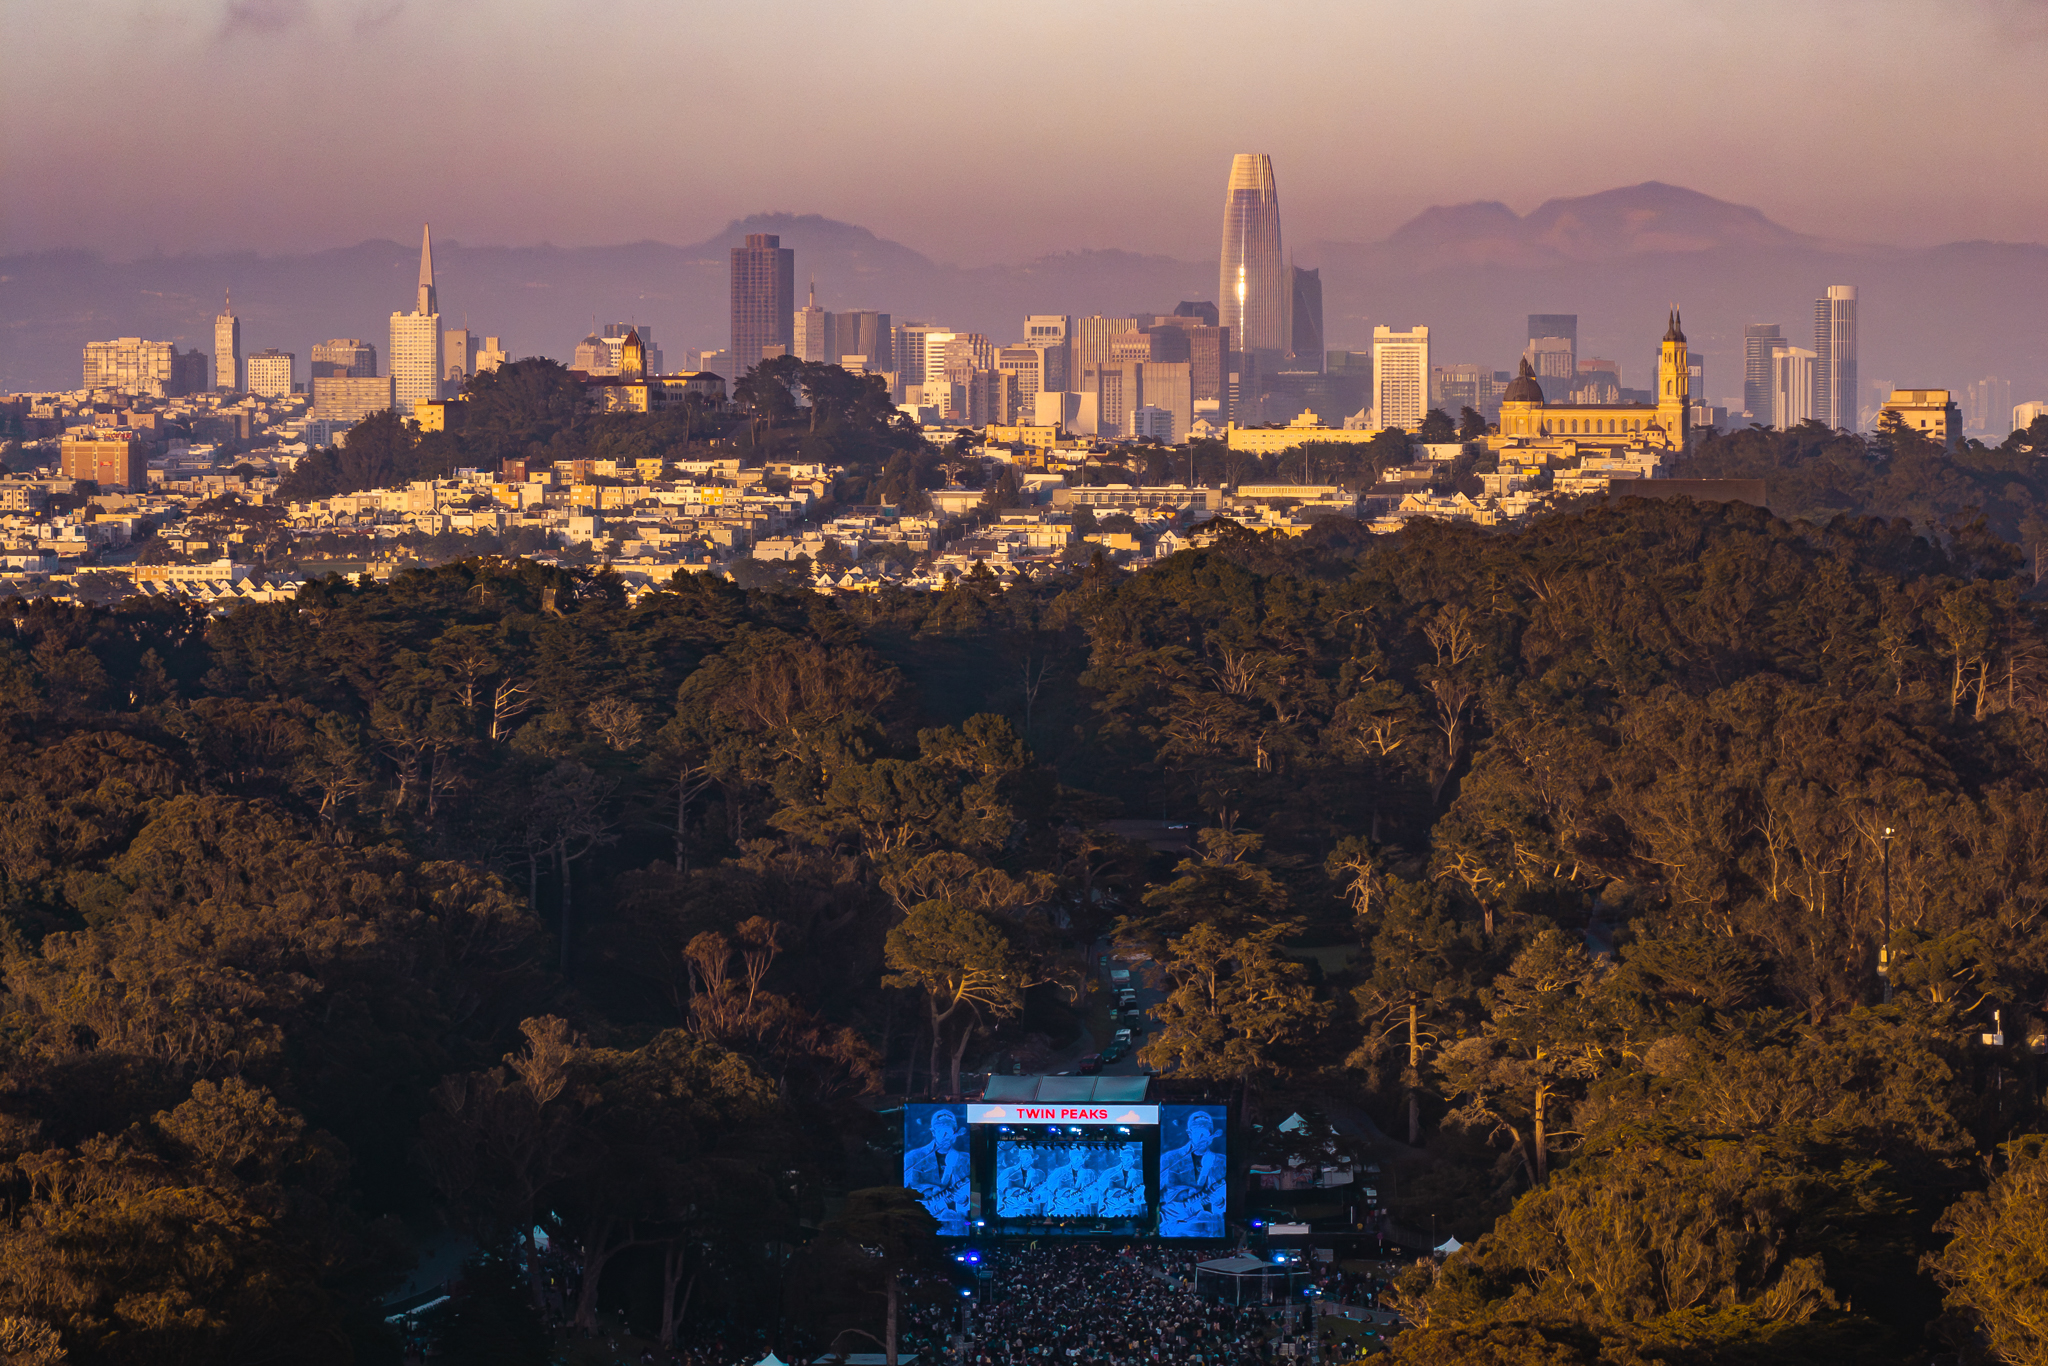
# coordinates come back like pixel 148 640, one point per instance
pixel 1193 1171
pixel 1070 1178
pixel 935 1162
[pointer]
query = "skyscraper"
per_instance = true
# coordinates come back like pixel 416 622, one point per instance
pixel 763 299
pixel 1400 374
pixel 1759 341
pixel 865 333
pixel 458 358
pixel 1553 349
pixel 1051 335
pixel 344 358
pixel 1794 379
pixel 1252 280
pixel 416 339
pixel 812 332
pixel 1305 319
pixel 270 373
pixel 227 346
pixel 1834 357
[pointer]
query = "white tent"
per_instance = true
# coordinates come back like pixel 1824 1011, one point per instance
pixel 1449 1245
pixel 770 1360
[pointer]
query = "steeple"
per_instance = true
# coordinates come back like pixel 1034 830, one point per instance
pixel 427 302
pixel 1672 333
pixel 814 293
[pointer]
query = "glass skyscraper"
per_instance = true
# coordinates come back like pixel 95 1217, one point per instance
pixel 1834 351
pixel 1253 284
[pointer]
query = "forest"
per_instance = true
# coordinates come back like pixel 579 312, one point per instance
pixel 1668 878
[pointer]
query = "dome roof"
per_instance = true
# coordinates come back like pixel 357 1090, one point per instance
pixel 1523 388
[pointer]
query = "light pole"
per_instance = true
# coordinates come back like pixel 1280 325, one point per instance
pixel 1884 950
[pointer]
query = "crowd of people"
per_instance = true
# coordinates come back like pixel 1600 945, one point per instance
pixel 1090 1305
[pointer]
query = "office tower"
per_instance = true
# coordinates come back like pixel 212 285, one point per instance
pixel 1305 319
pixel 1987 406
pixel 1834 352
pixel 491 356
pixel 711 362
pixel 911 347
pixel 1155 343
pixel 270 373
pixel 350 399
pixel 865 333
pixel 1165 387
pixel 1350 379
pixel 1456 387
pixel 1116 387
pixel 763 299
pixel 1400 370
pixel 416 340
pixel 1759 342
pixel 458 359
pixel 1553 358
pixel 227 346
pixel 990 396
pixel 344 358
pixel 1026 367
pixel 133 365
pixel 592 356
pixel 1565 325
pixel 1793 381
pixel 1251 280
pixel 1201 311
pixel 811 332
pixel 963 351
pixel 1093 337
pixel 1051 335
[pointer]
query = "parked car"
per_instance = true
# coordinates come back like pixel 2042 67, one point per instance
pixel 1089 1065
pixel 1122 1040
pixel 1111 1053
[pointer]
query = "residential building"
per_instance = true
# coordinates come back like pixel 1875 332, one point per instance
pixel 350 399
pixel 813 333
pixel 1834 364
pixel 270 373
pixel 416 339
pixel 1252 281
pixel 135 365
pixel 110 460
pixel 1303 428
pixel 1933 413
pixel 227 346
pixel 763 299
pixel 344 358
pixel 1987 403
pixel 1793 381
pixel 1400 368
pixel 1759 342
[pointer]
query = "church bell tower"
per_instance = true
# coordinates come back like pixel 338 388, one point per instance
pixel 1674 386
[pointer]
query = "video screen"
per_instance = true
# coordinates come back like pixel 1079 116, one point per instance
pixel 1050 1178
pixel 935 1162
pixel 1194 1171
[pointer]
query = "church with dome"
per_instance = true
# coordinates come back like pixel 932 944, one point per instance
pixel 1527 421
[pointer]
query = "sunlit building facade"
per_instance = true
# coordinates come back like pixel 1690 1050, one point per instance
pixel 1252 281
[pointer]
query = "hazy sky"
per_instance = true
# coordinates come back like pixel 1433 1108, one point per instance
pixel 977 131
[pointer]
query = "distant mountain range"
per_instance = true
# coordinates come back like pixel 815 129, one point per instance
pixel 1933 317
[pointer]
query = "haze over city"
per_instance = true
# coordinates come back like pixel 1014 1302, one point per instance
pixel 982 133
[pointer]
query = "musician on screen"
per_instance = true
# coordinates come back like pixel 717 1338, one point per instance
pixel 1192 1190
pixel 937 1171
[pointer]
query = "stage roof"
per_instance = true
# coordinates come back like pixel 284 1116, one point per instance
pixel 1067 1090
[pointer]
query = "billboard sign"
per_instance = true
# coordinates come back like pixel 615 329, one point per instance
pixel 1063 1113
